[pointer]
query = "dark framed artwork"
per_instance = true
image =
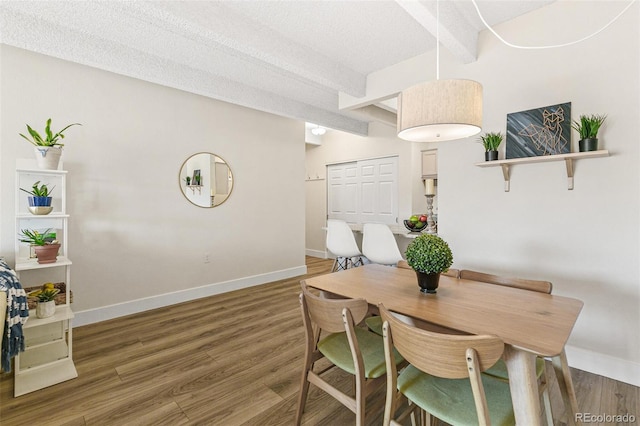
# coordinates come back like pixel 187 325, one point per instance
pixel 540 131
pixel 196 177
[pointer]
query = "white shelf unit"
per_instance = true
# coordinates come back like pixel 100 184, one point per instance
pixel 567 158
pixel 48 356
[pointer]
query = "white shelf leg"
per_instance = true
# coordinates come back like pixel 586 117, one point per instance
pixel 569 163
pixel 505 173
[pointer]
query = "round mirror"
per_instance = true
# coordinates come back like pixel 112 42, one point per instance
pixel 206 180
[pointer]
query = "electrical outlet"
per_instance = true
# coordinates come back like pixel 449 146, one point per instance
pixel 207 258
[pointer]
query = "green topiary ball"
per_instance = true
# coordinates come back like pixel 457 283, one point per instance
pixel 429 254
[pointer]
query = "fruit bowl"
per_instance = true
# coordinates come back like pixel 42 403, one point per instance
pixel 415 226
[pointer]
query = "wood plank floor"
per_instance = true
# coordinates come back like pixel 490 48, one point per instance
pixel 231 359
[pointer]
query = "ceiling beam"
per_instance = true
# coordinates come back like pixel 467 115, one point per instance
pixel 457 35
pixel 256 43
pixel 375 113
pixel 27 31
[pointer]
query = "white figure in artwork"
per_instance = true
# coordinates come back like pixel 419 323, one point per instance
pixel 547 138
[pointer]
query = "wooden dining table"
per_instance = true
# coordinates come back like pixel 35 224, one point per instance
pixel 531 324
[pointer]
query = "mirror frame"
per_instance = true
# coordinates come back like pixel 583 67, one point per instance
pixel 183 188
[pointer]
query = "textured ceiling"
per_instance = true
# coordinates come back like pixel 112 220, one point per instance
pixel 290 58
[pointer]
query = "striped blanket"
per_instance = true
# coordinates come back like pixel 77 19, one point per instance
pixel 17 315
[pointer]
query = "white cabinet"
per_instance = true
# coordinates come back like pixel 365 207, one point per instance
pixel 47 359
pixel 430 164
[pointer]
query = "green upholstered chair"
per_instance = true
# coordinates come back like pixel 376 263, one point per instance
pixel 332 334
pixel 499 370
pixel 444 376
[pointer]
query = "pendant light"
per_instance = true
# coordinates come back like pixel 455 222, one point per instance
pixel 318 131
pixel 440 110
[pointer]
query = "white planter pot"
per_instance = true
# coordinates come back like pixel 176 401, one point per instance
pixel 48 157
pixel 45 309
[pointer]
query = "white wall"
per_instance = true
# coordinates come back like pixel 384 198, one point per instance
pixel 585 241
pixel 135 241
pixel 339 147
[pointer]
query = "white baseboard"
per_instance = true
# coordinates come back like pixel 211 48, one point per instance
pixel 104 313
pixel 604 365
pixel 316 253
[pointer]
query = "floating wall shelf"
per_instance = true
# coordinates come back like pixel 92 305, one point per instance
pixel 194 187
pixel 567 158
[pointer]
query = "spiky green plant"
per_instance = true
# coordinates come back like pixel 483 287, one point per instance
pixel 429 254
pixel 39 191
pixel 491 141
pixel 50 139
pixel 588 125
pixel 46 295
pixel 34 237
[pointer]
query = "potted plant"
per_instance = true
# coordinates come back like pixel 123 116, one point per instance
pixel 49 148
pixel 429 255
pixel 46 306
pixel 40 199
pixel 491 141
pixel 46 249
pixel 587 128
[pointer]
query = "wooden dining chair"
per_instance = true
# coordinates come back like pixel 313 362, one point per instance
pixel 524 284
pixel 332 333
pixel 443 377
pixel 499 370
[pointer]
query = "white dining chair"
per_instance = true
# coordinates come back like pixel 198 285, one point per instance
pixel 342 243
pixel 379 244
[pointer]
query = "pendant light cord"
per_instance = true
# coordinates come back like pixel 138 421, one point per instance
pixel 437 39
pixel 549 46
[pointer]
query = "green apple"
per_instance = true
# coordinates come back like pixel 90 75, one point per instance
pixel 414 219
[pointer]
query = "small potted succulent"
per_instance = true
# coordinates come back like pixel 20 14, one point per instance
pixel 491 141
pixel 46 306
pixel 40 199
pixel 429 255
pixel 587 128
pixel 48 149
pixel 46 249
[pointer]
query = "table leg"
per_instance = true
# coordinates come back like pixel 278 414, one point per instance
pixel 563 374
pixel 524 385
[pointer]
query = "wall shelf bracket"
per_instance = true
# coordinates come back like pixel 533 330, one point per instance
pixel 569 163
pixel 194 187
pixel 567 158
pixel 505 173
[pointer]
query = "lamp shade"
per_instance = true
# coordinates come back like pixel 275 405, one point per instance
pixel 440 110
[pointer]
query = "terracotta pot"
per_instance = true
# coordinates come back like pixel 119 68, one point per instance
pixel 47 253
pixel 45 309
pixel 428 282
